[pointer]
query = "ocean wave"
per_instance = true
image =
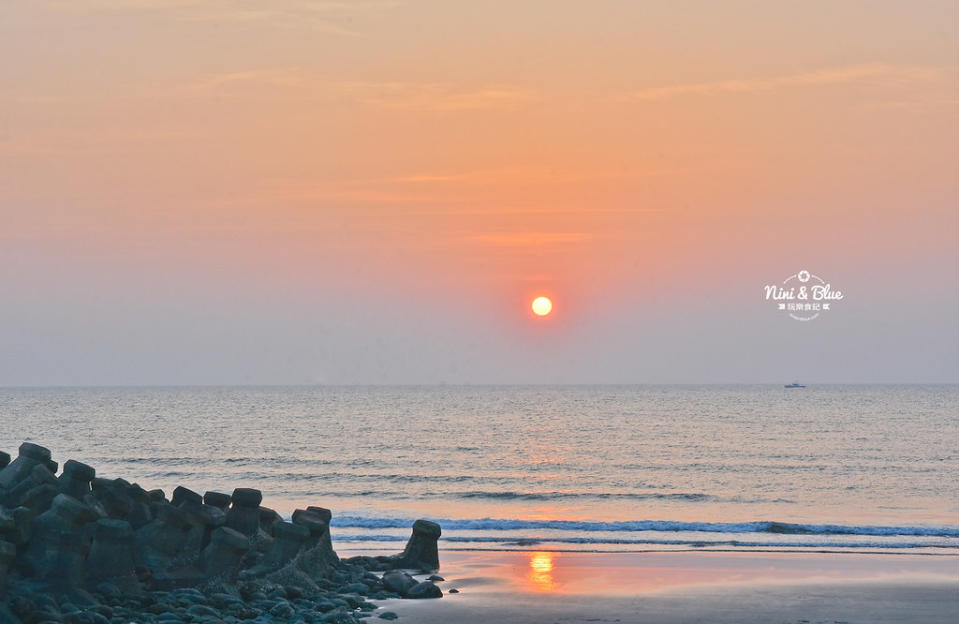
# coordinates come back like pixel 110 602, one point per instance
pixel 394 495
pixel 538 541
pixel 784 528
pixel 691 497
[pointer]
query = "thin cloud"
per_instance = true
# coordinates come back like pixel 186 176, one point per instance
pixel 487 210
pixel 410 96
pixel 291 77
pixel 530 174
pixel 416 179
pixel 886 74
pixel 437 96
pixel 530 239
pixel 330 17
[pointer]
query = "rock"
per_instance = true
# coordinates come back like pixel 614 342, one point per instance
pixel 313 523
pixel 95 506
pixel 183 495
pixel 398 582
pixel 268 519
pixel 322 512
pixel 103 610
pixel 4 459
pixel 24 492
pixel 317 520
pixel 260 544
pixel 75 479
pixel 22 526
pixel 356 601
pixel 7 553
pixel 66 605
pixel 200 610
pixel 111 556
pixel 76 617
pixel 162 540
pixel 141 511
pixel 222 557
pixel 202 520
pixel 311 568
pixel 244 513
pixel 323 606
pixel 30 455
pixel 109 590
pixel 454 591
pixel 58 528
pixel 338 617
pixel 247 497
pixel 291 576
pixel 191 595
pixel 436 578
pixel 39 499
pixel 378 563
pixel 288 540
pixel 292 592
pixel 421 551
pixel 179 577
pixel 78 531
pixel 112 494
pixel 426 589
pixel 7 524
pixel 63 567
pixel 49 608
pixel 217 499
pixel 282 610
pixel 387 615
pixel 356 588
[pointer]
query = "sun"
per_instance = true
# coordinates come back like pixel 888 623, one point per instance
pixel 542 306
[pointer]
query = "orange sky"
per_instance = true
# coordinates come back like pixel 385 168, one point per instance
pixel 429 166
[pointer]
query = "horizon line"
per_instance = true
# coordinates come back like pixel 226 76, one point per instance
pixel 462 384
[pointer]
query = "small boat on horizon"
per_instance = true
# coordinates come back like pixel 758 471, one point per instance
pixel 794 384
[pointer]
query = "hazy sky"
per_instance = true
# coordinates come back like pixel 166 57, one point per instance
pixel 204 191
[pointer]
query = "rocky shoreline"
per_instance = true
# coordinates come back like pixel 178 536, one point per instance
pixel 79 549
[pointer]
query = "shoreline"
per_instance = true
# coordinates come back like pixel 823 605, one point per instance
pixel 78 549
pixel 670 588
pixel 572 572
pixel 890 553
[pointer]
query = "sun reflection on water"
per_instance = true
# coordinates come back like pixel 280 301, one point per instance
pixel 541 571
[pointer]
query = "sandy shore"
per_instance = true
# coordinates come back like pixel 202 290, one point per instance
pixel 540 587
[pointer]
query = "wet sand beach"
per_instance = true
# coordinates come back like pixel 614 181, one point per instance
pixel 544 587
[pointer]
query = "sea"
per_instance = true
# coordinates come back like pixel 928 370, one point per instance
pixel 838 468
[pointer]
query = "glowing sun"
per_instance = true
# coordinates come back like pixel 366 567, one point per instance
pixel 542 306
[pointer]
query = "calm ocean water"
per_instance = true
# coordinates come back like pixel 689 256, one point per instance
pixel 846 468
